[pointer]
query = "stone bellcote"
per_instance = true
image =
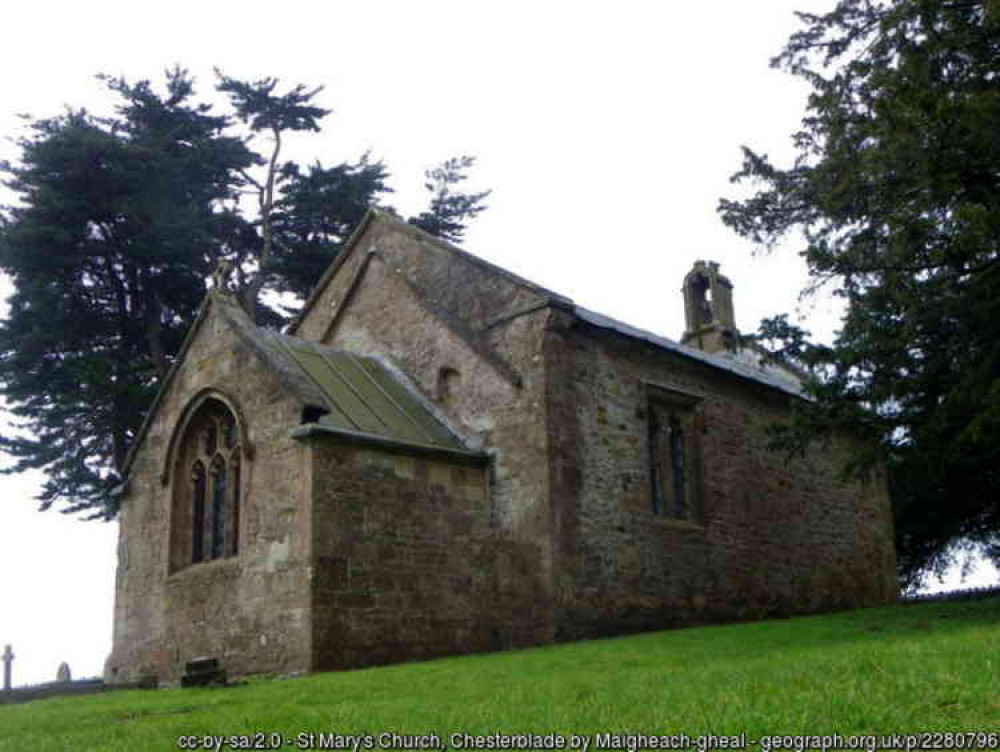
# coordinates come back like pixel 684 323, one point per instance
pixel 710 324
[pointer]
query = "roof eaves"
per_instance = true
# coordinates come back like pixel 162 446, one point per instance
pixel 390 444
pixel 733 366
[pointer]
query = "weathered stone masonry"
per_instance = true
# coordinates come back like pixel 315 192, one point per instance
pixel 422 572
pixel 774 537
pixel 444 458
pixel 251 611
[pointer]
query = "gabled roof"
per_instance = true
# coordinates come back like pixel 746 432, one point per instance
pixel 364 399
pixel 737 364
pixel 359 398
pixel 372 215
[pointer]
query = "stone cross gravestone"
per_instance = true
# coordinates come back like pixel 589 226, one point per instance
pixel 8 658
pixel 63 674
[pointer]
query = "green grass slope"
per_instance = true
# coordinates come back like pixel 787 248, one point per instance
pixel 902 669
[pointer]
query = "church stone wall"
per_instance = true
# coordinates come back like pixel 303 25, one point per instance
pixel 776 537
pixel 422 308
pixel 351 556
pixel 408 564
pixel 250 611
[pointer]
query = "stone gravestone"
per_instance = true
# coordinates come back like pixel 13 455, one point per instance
pixel 63 674
pixel 8 658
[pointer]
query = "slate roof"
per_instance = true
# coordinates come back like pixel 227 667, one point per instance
pixel 725 361
pixel 735 363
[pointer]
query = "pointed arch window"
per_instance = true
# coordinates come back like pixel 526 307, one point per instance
pixel 207 489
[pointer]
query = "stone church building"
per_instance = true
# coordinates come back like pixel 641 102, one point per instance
pixel 440 457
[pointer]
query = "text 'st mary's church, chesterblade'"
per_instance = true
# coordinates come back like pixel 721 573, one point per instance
pixel 440 457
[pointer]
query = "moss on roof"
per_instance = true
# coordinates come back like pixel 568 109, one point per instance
pixel 361 395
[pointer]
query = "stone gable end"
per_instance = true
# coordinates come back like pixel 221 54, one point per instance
pixel 253 605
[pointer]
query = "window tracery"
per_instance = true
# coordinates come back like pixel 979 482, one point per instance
pixel 207 487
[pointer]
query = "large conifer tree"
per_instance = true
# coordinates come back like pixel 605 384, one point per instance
pixel 119 223
pixel 117 227
pixel 896 190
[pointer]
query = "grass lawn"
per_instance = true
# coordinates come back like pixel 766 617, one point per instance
pixel 901 669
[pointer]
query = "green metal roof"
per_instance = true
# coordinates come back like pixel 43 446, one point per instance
pixel 363 397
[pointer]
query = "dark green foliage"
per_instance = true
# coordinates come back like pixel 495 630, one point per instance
pixel 895 189
pixel 449 209
pixel 305 216
pixel 107 255
pixel 257 105
pixel 120 222
pixel 319 208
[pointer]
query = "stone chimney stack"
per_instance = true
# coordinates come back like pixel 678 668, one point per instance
pixel 710 324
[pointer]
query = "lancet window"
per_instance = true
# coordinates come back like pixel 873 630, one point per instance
pixel 674 457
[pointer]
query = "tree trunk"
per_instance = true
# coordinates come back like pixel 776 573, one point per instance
pixel 256 283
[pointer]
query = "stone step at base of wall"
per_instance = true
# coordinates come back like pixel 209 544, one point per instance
pixel 203 672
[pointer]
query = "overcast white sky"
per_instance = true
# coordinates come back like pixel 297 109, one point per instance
pixel 607 132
